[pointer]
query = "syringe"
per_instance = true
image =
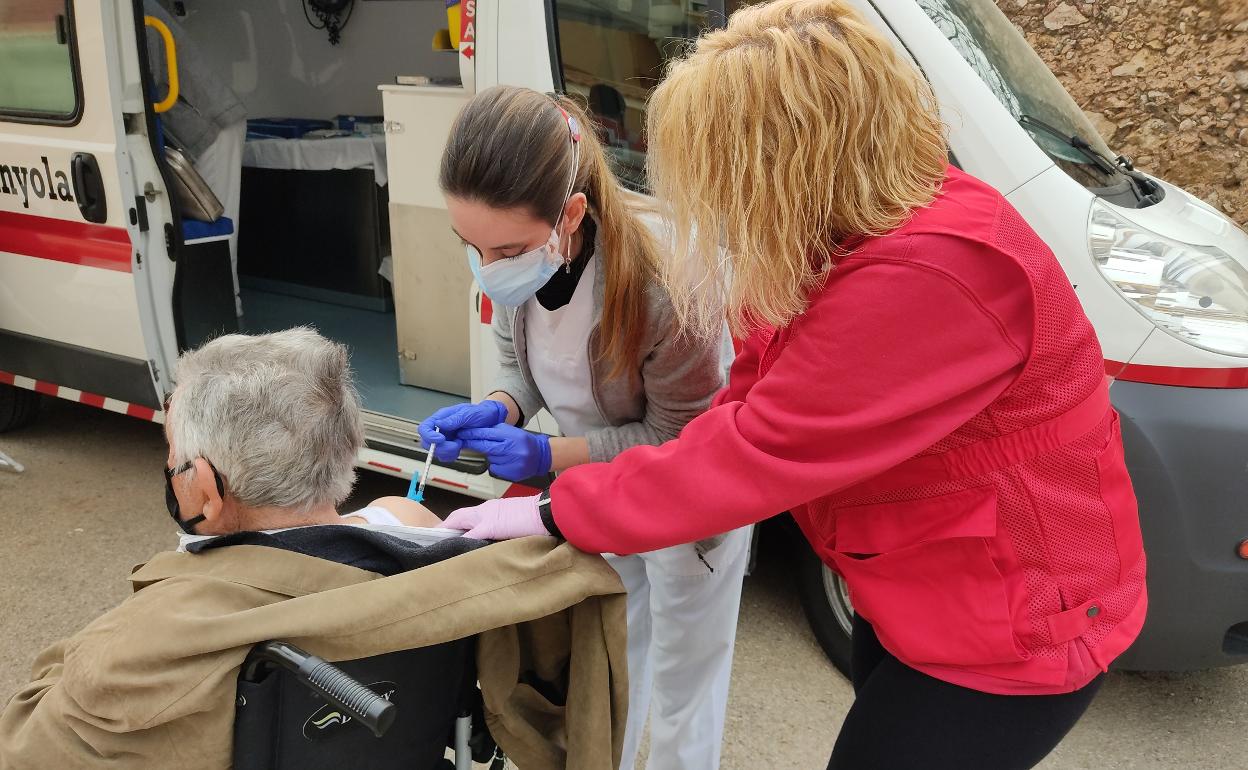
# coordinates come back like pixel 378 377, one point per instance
pixel 416 491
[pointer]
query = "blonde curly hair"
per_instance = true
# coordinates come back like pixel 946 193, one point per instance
pixel 774 139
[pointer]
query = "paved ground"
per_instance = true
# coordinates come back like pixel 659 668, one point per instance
pixel 89 507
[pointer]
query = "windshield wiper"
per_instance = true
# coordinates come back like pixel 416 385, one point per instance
pixel 1074 140
pixel 1146 190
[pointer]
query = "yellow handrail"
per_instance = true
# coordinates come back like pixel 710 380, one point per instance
pixel 171 59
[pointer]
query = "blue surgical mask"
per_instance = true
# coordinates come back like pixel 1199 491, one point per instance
pixel 514 281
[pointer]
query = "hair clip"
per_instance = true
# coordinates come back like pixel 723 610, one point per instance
pixel 574 126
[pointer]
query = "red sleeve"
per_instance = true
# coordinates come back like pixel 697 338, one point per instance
pixel 889 358
pixel 744 371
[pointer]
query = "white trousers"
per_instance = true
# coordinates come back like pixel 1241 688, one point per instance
pixel 221 166
pixel 682 626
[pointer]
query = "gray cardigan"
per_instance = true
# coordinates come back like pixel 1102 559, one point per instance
pixel 673 382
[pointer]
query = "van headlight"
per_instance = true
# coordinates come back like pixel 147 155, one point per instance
pixel 1196 293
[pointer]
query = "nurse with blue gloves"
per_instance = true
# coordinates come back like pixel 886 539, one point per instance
pixel 584 331
pixel 514 453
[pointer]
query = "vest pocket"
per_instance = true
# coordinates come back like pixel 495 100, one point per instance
pixel 1119 498
pixel 922 572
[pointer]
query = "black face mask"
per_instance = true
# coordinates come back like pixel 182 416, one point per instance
pixel 171 500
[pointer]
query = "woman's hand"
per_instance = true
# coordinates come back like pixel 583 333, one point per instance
pixel 515 454
pixel 501 519
pixel 440 430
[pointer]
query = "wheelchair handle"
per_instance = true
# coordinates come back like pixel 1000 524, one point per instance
pixel 326 680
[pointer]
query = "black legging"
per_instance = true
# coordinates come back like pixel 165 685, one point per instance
pixel 902 719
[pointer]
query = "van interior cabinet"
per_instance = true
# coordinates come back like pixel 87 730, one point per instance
pixel 315 234
pixel 431 276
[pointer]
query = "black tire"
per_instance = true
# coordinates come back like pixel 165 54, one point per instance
pixel 18 407
pixel 827 606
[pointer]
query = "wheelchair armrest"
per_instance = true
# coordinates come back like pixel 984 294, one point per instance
pixel 323 678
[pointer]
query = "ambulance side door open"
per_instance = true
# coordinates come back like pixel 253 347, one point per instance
pixel 71 271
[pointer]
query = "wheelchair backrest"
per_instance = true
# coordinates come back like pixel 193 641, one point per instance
pixel 280 724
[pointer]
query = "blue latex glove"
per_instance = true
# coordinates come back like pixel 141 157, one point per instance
pixel 514 453
pixel 440 430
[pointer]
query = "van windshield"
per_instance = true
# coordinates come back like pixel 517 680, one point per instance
pixel 999 54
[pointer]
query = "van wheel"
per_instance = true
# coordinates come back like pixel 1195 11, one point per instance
pixel 18 407
pixel 825 598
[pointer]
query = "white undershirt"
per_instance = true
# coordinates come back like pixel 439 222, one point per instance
pixel 375 514
pixel 558 350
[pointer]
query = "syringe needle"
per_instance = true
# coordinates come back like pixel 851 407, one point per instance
pixel 416 491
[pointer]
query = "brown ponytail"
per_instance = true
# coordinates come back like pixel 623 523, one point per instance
pixel 510 148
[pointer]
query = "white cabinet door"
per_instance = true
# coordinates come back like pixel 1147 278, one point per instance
pixel 431 276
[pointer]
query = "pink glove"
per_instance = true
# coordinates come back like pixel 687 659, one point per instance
pixel 501 519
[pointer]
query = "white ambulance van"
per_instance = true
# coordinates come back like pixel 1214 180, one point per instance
pixel 106 274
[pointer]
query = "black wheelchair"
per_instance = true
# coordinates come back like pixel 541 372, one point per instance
pixel 400 711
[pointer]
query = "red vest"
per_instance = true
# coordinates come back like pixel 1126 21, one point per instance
pixel 938 423
pixel 1007 557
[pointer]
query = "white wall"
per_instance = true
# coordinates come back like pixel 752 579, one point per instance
pixel 281 67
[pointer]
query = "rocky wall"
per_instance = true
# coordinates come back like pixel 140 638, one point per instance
pixel 1165 81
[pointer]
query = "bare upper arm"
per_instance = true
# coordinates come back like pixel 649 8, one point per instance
pixel 410 512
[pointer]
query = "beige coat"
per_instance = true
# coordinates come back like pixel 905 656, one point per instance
pixel 150 684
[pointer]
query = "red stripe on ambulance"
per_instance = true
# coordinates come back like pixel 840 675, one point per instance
pixel 449 483
pixel 1178 376
pixel 92 399
pixel 142 412
pixel 78 243
pixel 82 397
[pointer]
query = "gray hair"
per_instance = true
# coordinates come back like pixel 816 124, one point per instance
pixel 276 414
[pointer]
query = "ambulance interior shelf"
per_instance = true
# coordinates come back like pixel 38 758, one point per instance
pixel 318 153
pixel 314 211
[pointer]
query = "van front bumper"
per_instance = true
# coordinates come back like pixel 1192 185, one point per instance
pixel 1187 452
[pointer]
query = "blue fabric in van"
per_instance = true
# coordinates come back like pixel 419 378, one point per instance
pixel 193 230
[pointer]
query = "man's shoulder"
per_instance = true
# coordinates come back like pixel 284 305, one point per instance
pixel 164 607
pixel 251 565
pixel 191 615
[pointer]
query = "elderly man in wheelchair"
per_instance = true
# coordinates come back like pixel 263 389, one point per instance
pixel 218 659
